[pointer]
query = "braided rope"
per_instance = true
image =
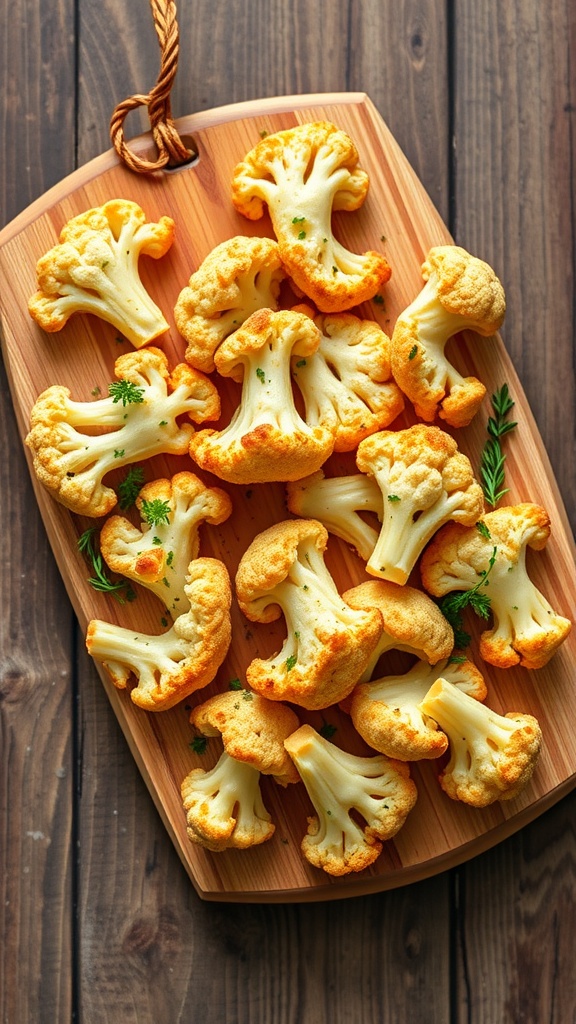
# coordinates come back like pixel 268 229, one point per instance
pixel 171 149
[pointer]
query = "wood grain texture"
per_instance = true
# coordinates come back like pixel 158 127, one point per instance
pixel 404 934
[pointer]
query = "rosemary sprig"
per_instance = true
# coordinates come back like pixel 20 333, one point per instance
pixel 120 589
pixel 452 605
pixel 493 458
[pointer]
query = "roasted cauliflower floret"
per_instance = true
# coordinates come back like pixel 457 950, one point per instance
pixel 461 293
pixel 224 806
pixel 411 621
pixel 328 644
pixel 267 439
pixel 346 383
pixel 238 277
pixel 139 415
pixel 302 175
pixel 158 554
pixel 425 482
pixel 377 789
pixel 94 269
pixel 336 502
pixel 170 667
pixel 492 756
pixel 526 630
pixel 386 712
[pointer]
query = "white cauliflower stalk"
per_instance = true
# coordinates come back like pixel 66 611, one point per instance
pixel 302 175
pixel 94 269
pixel 336 502
pixel 346 383
pixel 169 667
pixel 157 554
pixel 425 482
pixel 328 644
pixel 266 440
pixel 492 756
pixel 377 789
pixel 140 415
pixel 526 630
pixel 239 276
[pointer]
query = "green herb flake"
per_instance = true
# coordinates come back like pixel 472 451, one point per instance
pixel 301 362
pixel 379 300
pixel 301 235
pixel 157 541
pixel 413 351
pixel 327 730
pixel 130 486
pixel 234 684
pixel 119 453
pixel 483 529
pixel 260 374
pixel 290 662
pixel 393 497
pixel 298 220
pixel 247 695
pixel 156 512
pixel 96 391
pixel 199 744
pixel 163 423
pixel 164 621
pixel 126 392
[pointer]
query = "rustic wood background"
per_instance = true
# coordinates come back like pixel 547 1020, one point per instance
pixel 98 921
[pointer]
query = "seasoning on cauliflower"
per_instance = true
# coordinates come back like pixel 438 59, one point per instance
pixel 224 806
pixel 492 756
pixel 425 481
pixel 302 175
pixel 175 664
pixel 411 621
pixel 461 293
pixel 328 644
pixel 140 414
pixel 266 440
pixel 526 630
pixel 238 277
pixel 158 554
pixel 346 383
pixel 387 715
pixel 377 789
pixel 94 269
pixel 336 502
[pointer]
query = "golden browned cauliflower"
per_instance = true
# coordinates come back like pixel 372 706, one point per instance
pixel 526 630
pixel 328 644
pixel 386 711
pixel 224 806
pixel 425 482
pixel 302 175
pixel 359 802
pixel 158 554
pixel 169 667
pixel 238 277
pixel 141 416
pixel 461 293
pixel 267 439
pixel 346 384
pixel 492 756
pixel 94 269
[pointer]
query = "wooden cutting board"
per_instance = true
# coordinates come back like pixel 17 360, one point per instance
pixel 439 833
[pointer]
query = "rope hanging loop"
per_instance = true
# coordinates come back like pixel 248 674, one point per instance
pixel 172 152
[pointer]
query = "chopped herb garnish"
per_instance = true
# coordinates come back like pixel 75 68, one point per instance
pixel 334 270
pixel 119 453
pixel 96 391
pixel 327 730
pixel 413 352
pixel 393 497
pixel 234 684
pixel 199 744
pixel 493 458
pixel 169 558
pixel 163 423
pixel 130 486
pixel 157 541
pixel 301 362
pixel 126 392
pixel 298 220
pixel 156 512
pixel 379 299
pixel 164 621
pixel 301 235
pixel 260 374
pixel 290 662
pixel 263 133
pixel 247 695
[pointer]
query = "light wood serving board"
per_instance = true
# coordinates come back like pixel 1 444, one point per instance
pixel 439 833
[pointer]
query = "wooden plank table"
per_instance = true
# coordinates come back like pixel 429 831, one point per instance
pixel 98 920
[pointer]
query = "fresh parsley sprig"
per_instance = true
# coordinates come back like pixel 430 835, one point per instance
pixel 120 589
pixel 493 458
pixel 126 392
pixel 452 605
pixel 156 512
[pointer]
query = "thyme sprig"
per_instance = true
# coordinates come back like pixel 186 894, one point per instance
pixel 130 487
pixel 120 589
pixel 493 458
